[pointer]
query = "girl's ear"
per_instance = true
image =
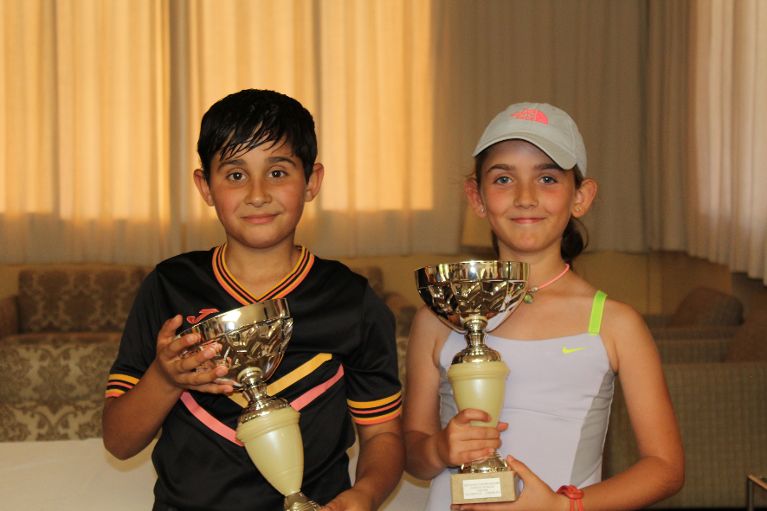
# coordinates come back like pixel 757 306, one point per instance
pixel 471 189
pixel 202 186
pixel 584 197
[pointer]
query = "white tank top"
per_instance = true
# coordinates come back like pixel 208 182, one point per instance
pixel 557 405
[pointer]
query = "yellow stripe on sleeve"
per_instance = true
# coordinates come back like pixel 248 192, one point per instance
pixel 374 404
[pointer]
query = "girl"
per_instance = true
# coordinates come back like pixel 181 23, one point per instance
pixel 563 346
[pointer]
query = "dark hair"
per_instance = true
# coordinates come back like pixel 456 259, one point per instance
pixel 575 238
pixel 246 119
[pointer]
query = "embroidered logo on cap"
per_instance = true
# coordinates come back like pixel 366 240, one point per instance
pixel 531 114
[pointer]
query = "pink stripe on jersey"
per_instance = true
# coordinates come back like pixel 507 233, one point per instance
pixel 309 396
pixel 225 431
pixel 211 422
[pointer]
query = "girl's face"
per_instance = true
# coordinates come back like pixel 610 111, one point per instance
pixel 527 198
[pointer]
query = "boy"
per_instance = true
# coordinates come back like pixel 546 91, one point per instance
pixel 258 151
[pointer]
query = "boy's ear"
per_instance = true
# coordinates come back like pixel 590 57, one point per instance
pixel 315 182
pixel 471 189
pixel 202 186
pixel 584 197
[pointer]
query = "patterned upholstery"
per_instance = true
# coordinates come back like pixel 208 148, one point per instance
pixel 59 337
pixel 705 306
pixel 77 298
pixel 722 414
pixel 750 341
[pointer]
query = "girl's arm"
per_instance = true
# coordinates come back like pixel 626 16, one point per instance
pixel 430 449
pixel 659 472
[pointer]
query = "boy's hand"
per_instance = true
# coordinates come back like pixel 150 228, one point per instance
pixel 461 443
pixel 180 372
pixel 350 500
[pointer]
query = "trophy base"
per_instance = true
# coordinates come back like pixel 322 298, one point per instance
pixel 299 502
pixel 483 487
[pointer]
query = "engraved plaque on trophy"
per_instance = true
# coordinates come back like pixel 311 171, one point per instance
pixel 474 297
pixel 251 343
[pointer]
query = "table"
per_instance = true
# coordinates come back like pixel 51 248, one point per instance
pixel 752 482
pixel 79 475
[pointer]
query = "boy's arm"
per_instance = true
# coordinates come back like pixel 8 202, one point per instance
pixel 131 421
pixel 379 468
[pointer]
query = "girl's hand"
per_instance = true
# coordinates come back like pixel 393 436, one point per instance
pixel 350 500
pixel 536 495
pixel 461 443
pixel 180 371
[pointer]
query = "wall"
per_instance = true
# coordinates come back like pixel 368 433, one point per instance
pixel 651 283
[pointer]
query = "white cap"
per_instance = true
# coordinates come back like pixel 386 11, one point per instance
pixel 546 126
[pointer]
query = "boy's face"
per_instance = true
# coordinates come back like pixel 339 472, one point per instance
pixel 259 195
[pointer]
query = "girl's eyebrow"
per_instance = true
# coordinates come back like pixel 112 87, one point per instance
pixel 540 166
pixel 549 166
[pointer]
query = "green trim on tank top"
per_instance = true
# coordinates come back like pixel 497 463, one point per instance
pixel 597 311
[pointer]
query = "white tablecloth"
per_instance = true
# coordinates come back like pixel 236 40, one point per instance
pixel 79 475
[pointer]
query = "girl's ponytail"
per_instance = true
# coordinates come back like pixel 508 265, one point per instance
pixel 574 240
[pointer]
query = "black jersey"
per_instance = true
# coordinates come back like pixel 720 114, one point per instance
pixel 340 366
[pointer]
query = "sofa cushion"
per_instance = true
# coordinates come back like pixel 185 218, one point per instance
pixel 706 306
pixel 750 341
pixel 56 368
pixel 77 298
pixel 32 420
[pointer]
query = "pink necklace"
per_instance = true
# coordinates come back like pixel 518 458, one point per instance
pixel 530 292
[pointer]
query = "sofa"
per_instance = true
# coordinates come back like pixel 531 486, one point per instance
pixel 59 335
pixel 717 386
pixel 703 313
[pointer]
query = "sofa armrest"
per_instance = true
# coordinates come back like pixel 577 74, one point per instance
pixel 9 316
pixel 681 351
pixel 403 312
pixel 656 320
pixel 722 410
pixel 694 332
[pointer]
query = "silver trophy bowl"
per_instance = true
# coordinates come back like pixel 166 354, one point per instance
pixel 250 342
pixel 251 339
pixel 473 297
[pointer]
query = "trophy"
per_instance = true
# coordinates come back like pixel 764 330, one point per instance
pixel 474 297
pixel 251 342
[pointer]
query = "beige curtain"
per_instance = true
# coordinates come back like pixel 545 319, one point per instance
pixel 728 210
pixel 585 57
pixel 666 181
pixel 83 133
pixel 101 103
pixel 707 127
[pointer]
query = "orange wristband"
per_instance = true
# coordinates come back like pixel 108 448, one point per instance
pixel 574 494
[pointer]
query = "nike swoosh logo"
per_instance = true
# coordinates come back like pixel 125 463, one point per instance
pixel 567 351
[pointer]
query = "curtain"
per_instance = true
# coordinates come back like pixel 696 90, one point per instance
pixel 728 213
pixel 584 57
pixel 706 148
pixel 102 100
pixel 83 133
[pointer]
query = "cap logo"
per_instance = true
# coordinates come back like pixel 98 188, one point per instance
pixel 531 114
